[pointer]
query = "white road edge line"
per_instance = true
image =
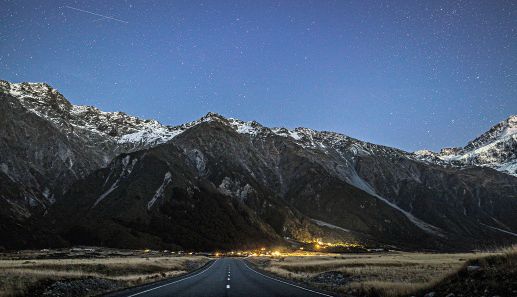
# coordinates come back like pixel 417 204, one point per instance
pixel 275 279
pixel 180 280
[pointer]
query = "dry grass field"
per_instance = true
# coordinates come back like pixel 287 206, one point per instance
pixel 92 276
pixel 58 273
pixel 372 274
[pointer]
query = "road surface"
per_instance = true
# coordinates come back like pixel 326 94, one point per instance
pixel 224 277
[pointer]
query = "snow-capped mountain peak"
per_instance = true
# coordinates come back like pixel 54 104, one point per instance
pixel 500 131
pixel 88 121
pixel 496 148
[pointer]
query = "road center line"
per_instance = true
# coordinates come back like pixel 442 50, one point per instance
pixel 281 281
pixel 180 280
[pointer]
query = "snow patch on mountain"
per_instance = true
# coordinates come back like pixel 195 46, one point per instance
pixel 510 167
pixel 284 132
pixel 127 168
pixel 154 135
pixel 113 187
pixel 159 192
pixel 418 222
pixel 325 224
pixel 251 128
pixel 499 229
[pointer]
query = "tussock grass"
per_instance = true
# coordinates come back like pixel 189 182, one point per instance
pixel 496 276
pixel 18 276
pixel 381 274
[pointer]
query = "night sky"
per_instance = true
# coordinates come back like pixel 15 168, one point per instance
pixel 408 74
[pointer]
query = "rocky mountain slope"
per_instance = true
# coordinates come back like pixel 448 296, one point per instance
pixel 39 123
pixel 110 179
pixel 46 144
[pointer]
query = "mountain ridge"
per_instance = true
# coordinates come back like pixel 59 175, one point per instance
pixel 151 132
pixel 86 162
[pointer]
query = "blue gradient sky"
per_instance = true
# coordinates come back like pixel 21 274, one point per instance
pixel 409 74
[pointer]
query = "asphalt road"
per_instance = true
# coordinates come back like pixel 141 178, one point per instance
pixel 224 277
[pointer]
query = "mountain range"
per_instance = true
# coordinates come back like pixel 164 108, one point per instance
pixel 76 175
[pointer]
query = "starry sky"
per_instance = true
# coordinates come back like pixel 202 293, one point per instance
pixel 408 74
